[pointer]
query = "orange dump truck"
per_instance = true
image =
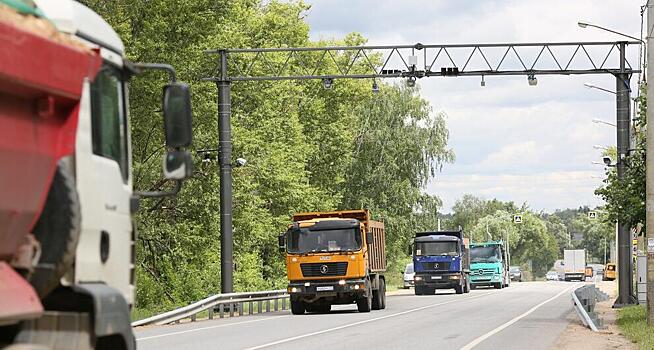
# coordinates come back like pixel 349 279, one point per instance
pixel 333 258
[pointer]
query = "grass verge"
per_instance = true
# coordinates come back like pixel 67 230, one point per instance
pixel 632 321
pixel 141 313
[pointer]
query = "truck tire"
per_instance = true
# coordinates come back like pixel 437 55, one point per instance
pixel 364 304
pixel 57 230
pixel 376 298
pixel 458 289
pixel 498 285
pixel 297 307
pixel 418 290
pixel 382 287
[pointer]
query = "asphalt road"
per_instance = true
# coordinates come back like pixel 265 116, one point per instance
pixel 524 316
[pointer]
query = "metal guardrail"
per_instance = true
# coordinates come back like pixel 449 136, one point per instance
pixel 584 300
pixel 231 303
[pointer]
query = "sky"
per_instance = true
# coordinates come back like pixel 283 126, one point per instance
pixel 512 141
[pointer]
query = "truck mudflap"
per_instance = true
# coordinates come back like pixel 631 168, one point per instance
pixel 327 288
pixel 18 300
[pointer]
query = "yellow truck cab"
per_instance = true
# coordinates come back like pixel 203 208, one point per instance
pixel 335 257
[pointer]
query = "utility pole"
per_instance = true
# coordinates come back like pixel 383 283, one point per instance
pixel 623 104
pixel 225 167
pixel 650 167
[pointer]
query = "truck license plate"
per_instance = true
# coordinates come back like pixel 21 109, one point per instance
pixel 324 288
pixel 436 277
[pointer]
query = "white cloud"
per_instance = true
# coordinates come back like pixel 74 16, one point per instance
pixel 540 191
pixel 512 141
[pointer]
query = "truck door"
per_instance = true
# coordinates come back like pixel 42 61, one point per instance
pixel 104 252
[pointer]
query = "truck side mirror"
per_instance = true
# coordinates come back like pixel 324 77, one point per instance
pixel 177 115
pixel 369 237
pixel 281 242
pixel 177 165
pixel 410 249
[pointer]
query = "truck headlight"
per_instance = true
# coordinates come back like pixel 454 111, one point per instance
pixel 455 277
pixel 292 289
pixel 341 282
pixel 417 278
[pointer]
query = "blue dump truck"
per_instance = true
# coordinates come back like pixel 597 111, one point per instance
pixel 441 260
pixel 490 264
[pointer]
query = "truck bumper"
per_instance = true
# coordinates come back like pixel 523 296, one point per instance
pixel 485 280
pixel 340 291
pixel 574 276
pixel 438 281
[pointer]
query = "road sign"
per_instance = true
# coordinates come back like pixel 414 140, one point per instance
pixel 592 215
pixel 517 219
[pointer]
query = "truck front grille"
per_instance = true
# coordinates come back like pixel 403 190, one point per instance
pixel 483 272
pixel 324 269
pixel 435 266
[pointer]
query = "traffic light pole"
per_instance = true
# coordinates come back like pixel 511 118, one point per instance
pixel 623 104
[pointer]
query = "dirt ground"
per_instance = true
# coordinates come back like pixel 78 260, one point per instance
pixel 578 337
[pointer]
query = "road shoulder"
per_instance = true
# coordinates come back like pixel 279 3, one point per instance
pixel 578 337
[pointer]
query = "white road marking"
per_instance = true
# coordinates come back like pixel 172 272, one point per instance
pixel 211 327
pixel 286 340
pixel 480 339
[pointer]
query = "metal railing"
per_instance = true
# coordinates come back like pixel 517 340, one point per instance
pixel 223 304
pixel 584 300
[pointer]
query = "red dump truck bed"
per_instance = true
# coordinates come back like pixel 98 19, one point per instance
pixel 377 248
pixel 41 78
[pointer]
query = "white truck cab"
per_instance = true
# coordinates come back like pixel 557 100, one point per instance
pixel 96 291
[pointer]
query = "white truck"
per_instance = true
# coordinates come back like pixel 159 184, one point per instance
pixel 67 237
pixel 574 264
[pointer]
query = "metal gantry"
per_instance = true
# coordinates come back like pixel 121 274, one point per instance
pixel 415 62
pixel 418 61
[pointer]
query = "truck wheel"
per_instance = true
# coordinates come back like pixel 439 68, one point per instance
pixel 376 298
pixel 382 293
pixel 57 230
pixel 458 289
pixel 297 307
pixel 498 285
pixel 364 304
pixel 418 290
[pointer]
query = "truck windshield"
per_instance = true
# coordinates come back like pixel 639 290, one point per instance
pixel 485 254
pixel 436 248
pixel 301 241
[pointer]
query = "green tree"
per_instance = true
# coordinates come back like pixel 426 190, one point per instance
pixel 307 148
pixel 558 229
pixel 534 244
pixel 625 199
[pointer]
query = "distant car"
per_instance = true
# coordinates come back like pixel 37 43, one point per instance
pixel 552 276
pixel 516 273
pixel 408 276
